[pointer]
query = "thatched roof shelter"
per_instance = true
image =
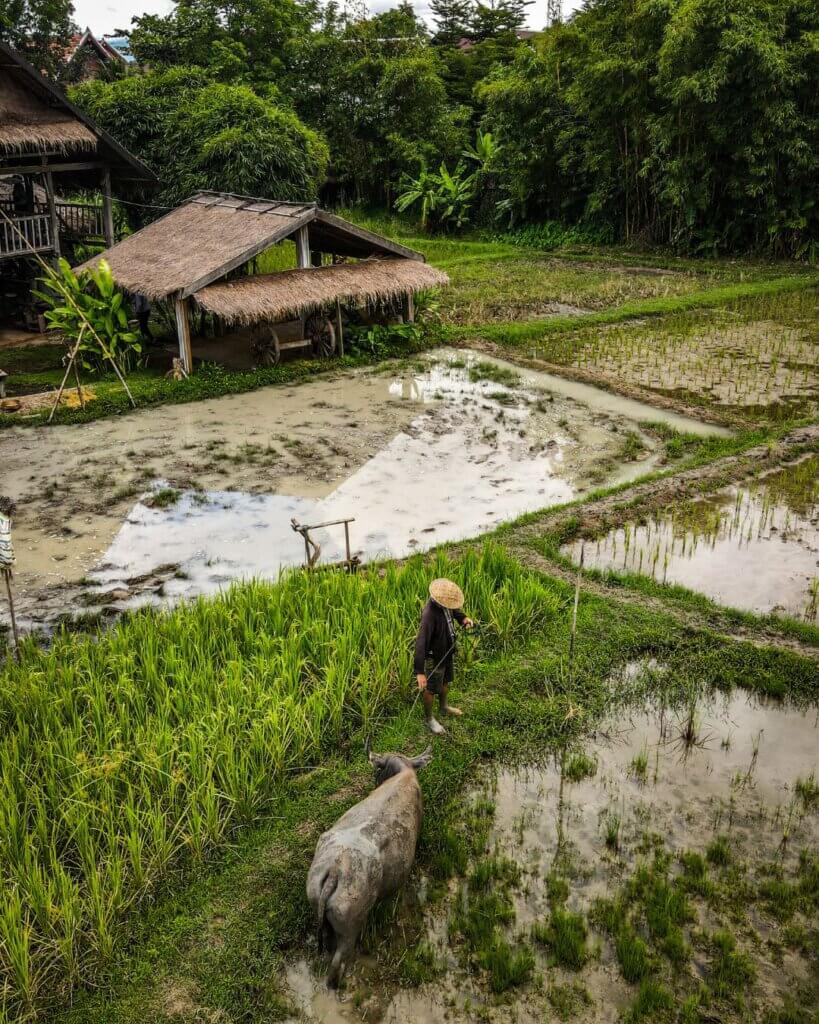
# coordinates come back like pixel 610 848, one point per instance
pixel 214 233
pixel 248 300
pixel 38 120
pixel 194 253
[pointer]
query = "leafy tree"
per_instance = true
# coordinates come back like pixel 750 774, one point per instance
pixel 694 122
pixel 248 39
pixel 39 29
pixel 203 134
pixel 445 199
pixel 453 20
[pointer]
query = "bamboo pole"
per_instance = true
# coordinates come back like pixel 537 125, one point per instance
pixel 574 610
pixel 14 633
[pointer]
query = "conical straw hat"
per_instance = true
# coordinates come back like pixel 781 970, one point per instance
pixel 446 593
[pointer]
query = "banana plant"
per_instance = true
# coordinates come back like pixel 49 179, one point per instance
pixel 88 310
pixel 445 198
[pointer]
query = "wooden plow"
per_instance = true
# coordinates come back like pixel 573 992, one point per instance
pixel 312 548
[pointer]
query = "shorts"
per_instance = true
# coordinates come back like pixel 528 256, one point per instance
pixel 436 681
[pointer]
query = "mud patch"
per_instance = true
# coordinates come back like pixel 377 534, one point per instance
pixel 445 448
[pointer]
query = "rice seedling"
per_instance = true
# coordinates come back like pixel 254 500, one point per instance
pixel 611 829
pixel 731 970
pixel 579 766
pixel 632 954
pixel 807 790
pixel 568 1001
pixel 128 754
pixel 718 851
pixel 564 934
pixel 639 765
pixel 652 1000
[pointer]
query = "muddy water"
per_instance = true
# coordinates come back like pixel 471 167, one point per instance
pixel 447 447
pixel 735 778
pixel 754 547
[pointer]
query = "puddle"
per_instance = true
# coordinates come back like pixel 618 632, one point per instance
pixel 754 547
pixel 735 778
pixel 486 445
pixel 447 447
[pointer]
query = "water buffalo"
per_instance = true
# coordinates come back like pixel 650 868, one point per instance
pixel 365 856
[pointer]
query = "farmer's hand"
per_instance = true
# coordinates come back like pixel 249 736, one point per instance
pixel 422 681
pixel 468 623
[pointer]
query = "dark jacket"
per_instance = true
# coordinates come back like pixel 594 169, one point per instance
pixel 435 638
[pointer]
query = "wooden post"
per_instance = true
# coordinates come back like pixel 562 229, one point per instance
pixel 340 330
pixel 107 208
pixel 408 308
pixel 183 333
pixel 12 615
pixel 52 213
pixel 302 248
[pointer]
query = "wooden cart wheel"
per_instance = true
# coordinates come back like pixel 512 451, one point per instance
pixel 321 333
pixel 264 345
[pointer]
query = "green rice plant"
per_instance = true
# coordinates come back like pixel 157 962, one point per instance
pixel 731 970
pixel 718 851
pixel 807 790
pixel 653 1001
pixel 564 934
pixel 579 766
pixel 568 1001
pixel 639 765
pixel 507 966
pixel 493 869
pixel 127 755
pixel 632 954
pixel 611 830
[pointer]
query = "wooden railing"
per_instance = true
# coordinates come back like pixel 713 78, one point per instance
pixel 81 220
pixel 22 234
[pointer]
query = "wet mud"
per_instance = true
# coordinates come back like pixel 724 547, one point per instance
pixel 177 501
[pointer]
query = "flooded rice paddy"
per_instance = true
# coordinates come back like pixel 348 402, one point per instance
pixel 754 547
pixel 672 844
pixel 760 355
pixel 181 500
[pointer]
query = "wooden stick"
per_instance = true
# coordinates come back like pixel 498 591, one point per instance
pixel 574 609
pixel 79 386
pixel 7 574
pixel 72 356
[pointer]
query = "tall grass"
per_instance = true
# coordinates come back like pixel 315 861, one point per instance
pixel 126 755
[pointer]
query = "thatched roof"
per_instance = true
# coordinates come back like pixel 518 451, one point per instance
pixel 36 117
pixel 292 292
pixel 28 123
pixel 214 233
pixel 182 250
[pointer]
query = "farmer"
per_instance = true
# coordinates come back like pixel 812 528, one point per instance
pixel 435 645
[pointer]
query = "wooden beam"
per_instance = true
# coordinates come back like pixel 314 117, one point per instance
pixel 302 237
pixel 52 213
pixel 45 165
pixel 344 227
pixel 183 333
pixel 107 207
pixel 408 308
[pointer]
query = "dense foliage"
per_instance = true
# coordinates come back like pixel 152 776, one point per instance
pixel 204 134
pixel 693 123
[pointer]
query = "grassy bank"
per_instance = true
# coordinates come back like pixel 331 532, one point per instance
pixel 214 947
pixel 125 756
